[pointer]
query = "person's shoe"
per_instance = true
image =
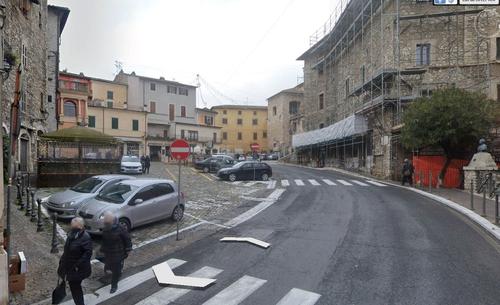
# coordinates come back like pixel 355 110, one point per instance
pixel 113 289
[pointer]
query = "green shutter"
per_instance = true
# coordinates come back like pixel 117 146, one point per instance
pixel 114 123
pixel 135 125
pixel 92 121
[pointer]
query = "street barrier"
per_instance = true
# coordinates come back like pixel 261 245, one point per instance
pixel 55 243
pixel 33 211
pixel 28 206
pixel 39 224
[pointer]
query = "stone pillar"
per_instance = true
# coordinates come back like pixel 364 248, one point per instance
pixel 482 163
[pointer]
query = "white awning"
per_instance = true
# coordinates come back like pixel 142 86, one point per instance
pixel 353 125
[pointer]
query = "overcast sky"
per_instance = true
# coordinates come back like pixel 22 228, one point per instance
pixel 245 50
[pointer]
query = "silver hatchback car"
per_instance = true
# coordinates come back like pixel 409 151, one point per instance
pixel 67 202
pixel 135 202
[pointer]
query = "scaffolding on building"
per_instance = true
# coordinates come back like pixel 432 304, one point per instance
pixel 390 76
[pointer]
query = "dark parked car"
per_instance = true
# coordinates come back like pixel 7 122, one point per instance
pixel 213 164
pixel 246 170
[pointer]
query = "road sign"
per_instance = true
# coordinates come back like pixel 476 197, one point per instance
pixel 180 150
pixel 255 146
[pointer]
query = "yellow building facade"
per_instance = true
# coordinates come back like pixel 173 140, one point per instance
pixel 243 127
pixel 108 113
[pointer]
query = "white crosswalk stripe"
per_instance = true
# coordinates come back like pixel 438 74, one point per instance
pixel 236 292
pixel 271 185
pixel 359 183
pixel 299 182
pixel 299 297
pixel 169 295
pixel 314 182
pixel 329 182
pixel 285 182
pixel 126 284
pixel 343 182
pixel 375 183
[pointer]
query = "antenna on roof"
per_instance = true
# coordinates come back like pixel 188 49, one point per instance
pixel 118 67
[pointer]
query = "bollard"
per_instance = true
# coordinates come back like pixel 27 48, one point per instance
pixel 53 248
pixel 39 224
pixel 483 213
pixel 430 182
pixel 472 195
pixel 28 206
pixel 497 217
pixel 19 196
pixel 33 211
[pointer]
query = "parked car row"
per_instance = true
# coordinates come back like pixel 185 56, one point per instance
pixel 229 169
pixel 134 201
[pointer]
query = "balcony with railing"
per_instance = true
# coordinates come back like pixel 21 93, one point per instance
pixel 74 86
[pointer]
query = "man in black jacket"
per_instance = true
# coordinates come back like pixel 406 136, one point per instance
pixel 74 265
pixel 116 245
pixel 147 164
pixel 407 172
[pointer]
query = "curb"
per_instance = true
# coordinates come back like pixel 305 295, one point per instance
pixel 491 229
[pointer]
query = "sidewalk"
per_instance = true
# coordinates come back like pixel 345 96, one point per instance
pixel 463 198
pixel 41 277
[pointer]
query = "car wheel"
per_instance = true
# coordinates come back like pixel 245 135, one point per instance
pixel 178 213
pixel 125 223
pixel 232 177
pixel 206 169
pixel 265 177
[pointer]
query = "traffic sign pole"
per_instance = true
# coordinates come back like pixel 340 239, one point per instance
pixel 178 198
pixel 180 151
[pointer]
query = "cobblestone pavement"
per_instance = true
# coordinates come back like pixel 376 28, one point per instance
pixel 208 201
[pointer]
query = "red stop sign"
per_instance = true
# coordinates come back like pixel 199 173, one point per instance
pixel 180 149
pixel 255 146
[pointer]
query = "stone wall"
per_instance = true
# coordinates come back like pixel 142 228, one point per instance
pixel 279 127
pixel 460 55
pixel 25 29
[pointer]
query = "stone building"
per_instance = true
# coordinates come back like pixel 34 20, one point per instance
pixel 242 128
pixel 372 58
pixel 284 119
pixel 24 34
pixel 56 20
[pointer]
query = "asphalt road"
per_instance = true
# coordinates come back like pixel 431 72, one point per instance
pixel 350 244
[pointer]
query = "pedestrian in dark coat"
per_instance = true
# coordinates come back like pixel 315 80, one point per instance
pixel 116 245
pixel 143 163
pixel 407 172
pixel 147 163
pixel 74 265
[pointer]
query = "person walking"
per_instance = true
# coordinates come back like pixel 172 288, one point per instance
pixel 116 245
pixel 407 172
pixel 143 163
pixel 74 265
pixel 147 163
